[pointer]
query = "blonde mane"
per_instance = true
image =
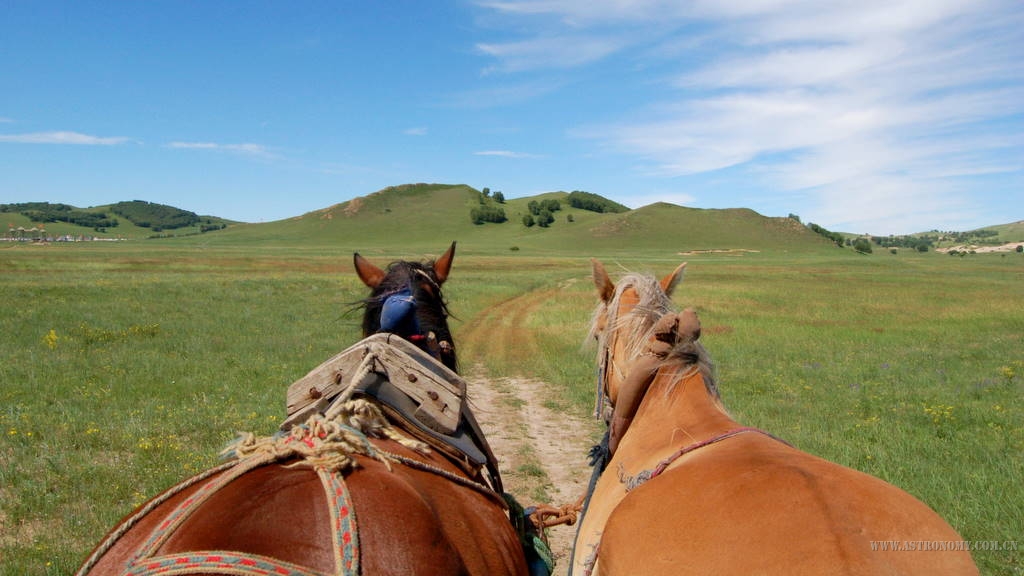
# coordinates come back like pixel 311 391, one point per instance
pixel 637 328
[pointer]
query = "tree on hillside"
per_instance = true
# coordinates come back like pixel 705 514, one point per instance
pixel 551 205
pixel 593 202
pixel 487 214
pixel 545 218
pixel 833 236
pixel 499 197
pixel 862 245
pixel 158 217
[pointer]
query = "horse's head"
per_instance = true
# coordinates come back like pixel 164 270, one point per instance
pixel 637 333
pixel 406 300
pixel 623 322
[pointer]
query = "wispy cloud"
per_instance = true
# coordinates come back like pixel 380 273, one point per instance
pixel 549 52
pixel 6 120
pixel 245 149
pixel 415 131
pixel 505 154
pixel 873 112
pixel 62 138
pixel 504 94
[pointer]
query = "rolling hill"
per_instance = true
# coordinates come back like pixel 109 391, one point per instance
pixel 430 215
pixel 125 220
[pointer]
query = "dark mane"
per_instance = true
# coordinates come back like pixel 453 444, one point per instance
pixel 431 308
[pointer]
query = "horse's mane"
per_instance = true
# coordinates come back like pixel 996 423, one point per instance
pixel 638 326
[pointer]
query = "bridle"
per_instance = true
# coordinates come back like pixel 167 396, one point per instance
pixel 398 315
pixel 607 340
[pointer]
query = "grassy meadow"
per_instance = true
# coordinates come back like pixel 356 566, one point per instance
pixel 126 367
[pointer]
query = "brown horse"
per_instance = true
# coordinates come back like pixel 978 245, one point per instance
pixel 405 299
pixel 351 491
pixel 688 490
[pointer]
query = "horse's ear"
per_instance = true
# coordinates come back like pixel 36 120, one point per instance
pixel 605 287
pixel 368 273
pixel 443 265
pixel 669 283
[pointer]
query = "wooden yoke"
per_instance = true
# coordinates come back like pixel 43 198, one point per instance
pixel 670 330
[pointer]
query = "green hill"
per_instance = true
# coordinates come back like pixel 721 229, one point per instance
pixel 1012 232
pixel 430 215
pixel 127 220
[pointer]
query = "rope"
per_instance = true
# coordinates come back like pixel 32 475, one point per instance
pixel 365 367
pixel 326 441
pixel 462 480
pixel 546 515
pixel 633 482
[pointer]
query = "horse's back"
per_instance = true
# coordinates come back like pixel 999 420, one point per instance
pixel 419 522
pixel 756 506
pixel 402 520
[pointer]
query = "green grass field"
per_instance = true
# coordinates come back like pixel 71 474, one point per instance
pixel 127 367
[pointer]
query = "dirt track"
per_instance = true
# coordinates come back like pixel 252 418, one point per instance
pixel 542 453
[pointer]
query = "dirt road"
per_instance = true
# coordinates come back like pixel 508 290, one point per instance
pixel 542 452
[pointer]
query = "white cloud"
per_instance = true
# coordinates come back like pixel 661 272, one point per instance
pixel 245 149
pixel 505 154
pixel 874 110
pixel 576 13
pixel 415 131
pixel 496 96
pixel 62 138
pixel 550 52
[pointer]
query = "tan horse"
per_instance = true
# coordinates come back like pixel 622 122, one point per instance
pixel 688 490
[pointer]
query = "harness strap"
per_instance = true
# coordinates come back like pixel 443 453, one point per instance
pixel 633 482
pixel 343 528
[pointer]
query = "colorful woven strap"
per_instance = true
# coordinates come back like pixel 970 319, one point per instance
pixel 217 562
pixel 343 528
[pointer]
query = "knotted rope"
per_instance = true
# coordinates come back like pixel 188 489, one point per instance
pixel 546 515
pixel 326 442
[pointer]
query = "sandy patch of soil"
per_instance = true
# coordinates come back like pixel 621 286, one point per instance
pixel 542 451
pixel 1010 247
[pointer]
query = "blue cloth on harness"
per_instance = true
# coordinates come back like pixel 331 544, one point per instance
pixel 398 315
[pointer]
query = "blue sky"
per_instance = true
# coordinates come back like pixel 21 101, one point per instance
pixel 880 116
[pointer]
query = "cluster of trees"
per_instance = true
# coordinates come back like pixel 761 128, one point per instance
pixel 919 243
pixel 836 237
pixel 542 213
pixel 593 202
pixel 487 211
pixel 974 236
pixel 157 217
pixel 498 196
pixel 47 212
pixel 862 245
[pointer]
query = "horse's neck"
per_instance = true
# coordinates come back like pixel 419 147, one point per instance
pixel 682 407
